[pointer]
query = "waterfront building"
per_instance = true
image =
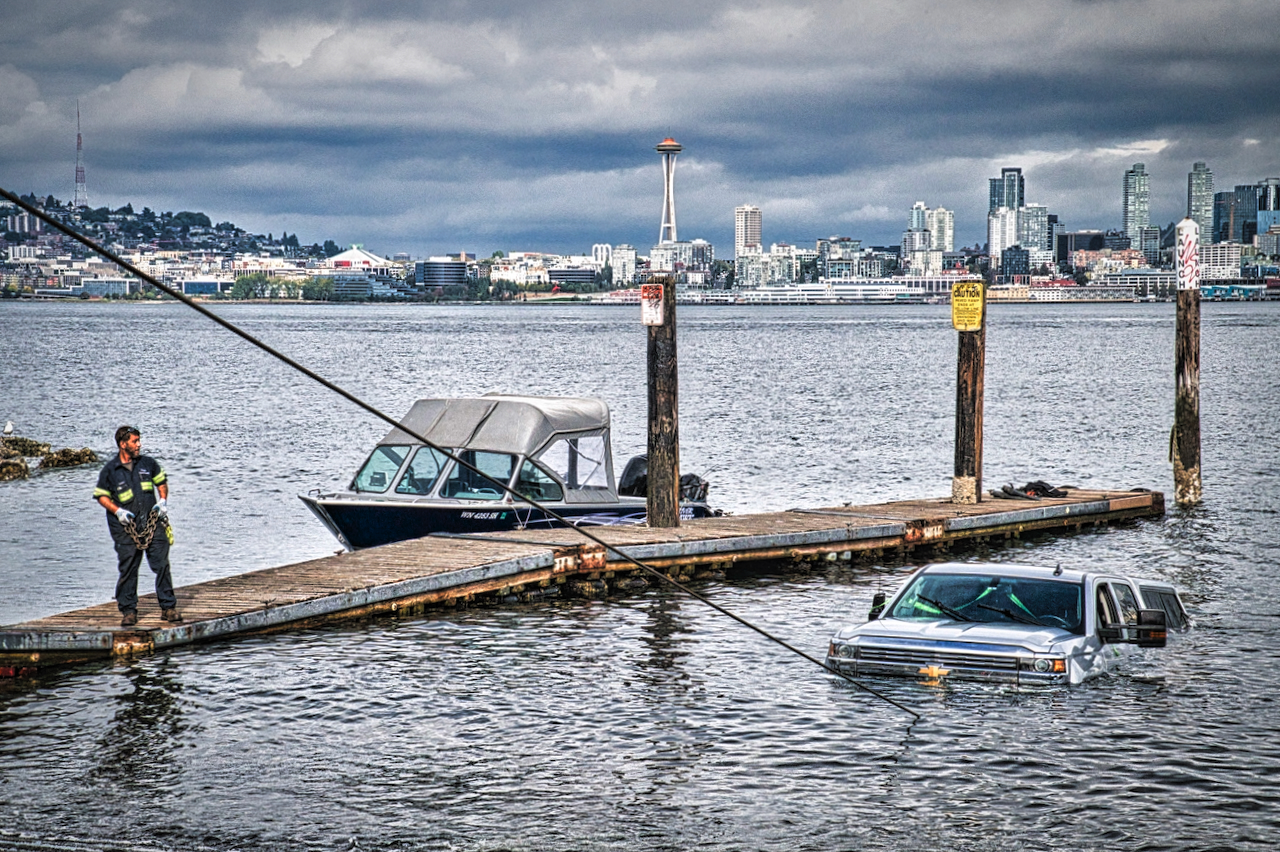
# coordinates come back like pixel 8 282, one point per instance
pixel 1106 260
pixel 1146 283
pixel 746 229
pixel 681 255
pixel 447 274
pixel 1002 232
pixel 1235 214
pixel 623 259
pixel 1269 243
pixel 1015 265
pixel 1220 261
pixel 916 239
pixel 1008 190
pixel 602 254
pixel 781 264
pixel 579 275
pixel 1137 203
pixel 1200 200
pixel 1268 205
pixel 750 268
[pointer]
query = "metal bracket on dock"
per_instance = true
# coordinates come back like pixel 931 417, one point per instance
pixel 584 557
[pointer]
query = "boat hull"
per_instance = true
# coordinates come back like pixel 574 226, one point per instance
pixel 368 523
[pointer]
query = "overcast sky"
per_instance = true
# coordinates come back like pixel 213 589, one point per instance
pixel 433 127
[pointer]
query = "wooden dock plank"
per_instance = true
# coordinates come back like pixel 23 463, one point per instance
pixel 438 568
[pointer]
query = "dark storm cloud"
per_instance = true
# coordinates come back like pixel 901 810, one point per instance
pixel 481 125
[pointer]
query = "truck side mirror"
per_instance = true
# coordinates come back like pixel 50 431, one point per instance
pixel 877 606
pixel 1153 631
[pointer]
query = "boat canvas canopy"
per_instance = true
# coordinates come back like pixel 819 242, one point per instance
pixel 498 422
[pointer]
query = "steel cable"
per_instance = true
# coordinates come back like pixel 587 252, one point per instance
pixel 360 403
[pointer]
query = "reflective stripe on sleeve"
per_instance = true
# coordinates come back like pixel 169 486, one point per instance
pixel 100 492
pixel 160 477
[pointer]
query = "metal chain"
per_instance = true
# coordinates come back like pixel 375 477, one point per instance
pixel 142 540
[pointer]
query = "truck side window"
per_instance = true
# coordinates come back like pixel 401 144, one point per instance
pixel 1128 603
pixel 1106 609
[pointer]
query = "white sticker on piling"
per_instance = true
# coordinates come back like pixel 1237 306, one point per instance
pixel 1188 255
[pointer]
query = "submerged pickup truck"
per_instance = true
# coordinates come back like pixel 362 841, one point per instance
pixel 1016 624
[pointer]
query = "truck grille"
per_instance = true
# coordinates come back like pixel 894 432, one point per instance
pixel 873 655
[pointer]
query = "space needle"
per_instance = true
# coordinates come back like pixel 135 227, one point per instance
pixel 668 148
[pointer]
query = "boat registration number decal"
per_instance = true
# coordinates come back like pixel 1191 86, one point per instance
pixel 483 516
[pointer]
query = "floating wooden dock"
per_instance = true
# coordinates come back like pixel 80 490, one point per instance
pixel 526 565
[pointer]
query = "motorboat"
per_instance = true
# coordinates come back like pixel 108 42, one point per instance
pixel 554 450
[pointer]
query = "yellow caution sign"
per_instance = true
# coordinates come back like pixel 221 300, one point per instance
pixel 966 305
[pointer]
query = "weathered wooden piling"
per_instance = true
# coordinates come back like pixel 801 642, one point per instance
pixel 664 432
pixel 1184 443
pixel 968 316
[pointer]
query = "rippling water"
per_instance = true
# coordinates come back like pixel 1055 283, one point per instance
pixel 643 722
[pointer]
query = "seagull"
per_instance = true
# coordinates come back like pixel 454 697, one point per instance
pixel 8 427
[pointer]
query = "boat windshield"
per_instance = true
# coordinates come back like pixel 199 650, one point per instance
pixel 992 599
pixel 536 484
pixel 380 468
pixel 462 484
pixel 421 474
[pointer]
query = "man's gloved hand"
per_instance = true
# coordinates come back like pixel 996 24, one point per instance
pixel 162 507
pixel 124 515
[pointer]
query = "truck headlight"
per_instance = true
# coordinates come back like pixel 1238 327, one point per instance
pixel 1046 665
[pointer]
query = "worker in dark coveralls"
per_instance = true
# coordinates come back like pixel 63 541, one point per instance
pixel 129 487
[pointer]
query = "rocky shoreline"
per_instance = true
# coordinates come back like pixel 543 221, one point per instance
pixel 15 452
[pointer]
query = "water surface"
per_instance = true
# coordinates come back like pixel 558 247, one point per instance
pixel 648 721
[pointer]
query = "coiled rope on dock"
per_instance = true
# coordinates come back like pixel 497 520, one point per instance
pixel 92 245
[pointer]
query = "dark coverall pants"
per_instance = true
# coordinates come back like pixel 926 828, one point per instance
pixel 131 560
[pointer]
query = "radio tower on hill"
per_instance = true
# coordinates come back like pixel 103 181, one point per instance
pixel 82 193
pixel 668 148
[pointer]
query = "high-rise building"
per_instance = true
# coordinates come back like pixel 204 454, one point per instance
pixel 1008 190
pixel 1235 214
pixel 1268 205
pixel 937 221
pixel 918 216
pixel 1137 202
pixel 1150 245
pixel 623 260
pixel 1033 227
pixel 1200 200
pixel 746 229
pixel 941 222
pixel 1002 232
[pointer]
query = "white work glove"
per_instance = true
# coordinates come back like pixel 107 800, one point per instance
pixel 162 507
pixel 124 515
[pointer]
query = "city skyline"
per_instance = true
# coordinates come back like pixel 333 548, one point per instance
pixel 533 126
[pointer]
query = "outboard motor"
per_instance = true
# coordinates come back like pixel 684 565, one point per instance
pixel 635 477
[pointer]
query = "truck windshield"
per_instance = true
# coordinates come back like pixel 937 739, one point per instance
pixel 992 598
